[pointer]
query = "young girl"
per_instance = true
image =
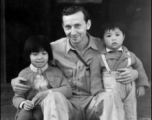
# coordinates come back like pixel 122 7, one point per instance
pixel 48 87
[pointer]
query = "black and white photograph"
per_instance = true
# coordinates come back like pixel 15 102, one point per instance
pixel 75 59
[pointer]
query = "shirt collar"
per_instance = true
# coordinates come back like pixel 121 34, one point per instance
pixel 34 69
pixel 91 44
pixel 68 46
pixel 120 49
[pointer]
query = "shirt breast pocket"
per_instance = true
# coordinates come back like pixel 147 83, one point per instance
pixel 69 75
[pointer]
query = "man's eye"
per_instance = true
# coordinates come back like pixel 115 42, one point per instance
pixel 77 26
pixel 67 27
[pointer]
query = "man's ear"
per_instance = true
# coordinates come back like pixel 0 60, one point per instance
pixel 88 24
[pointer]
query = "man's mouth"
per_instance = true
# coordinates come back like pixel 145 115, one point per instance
pixel 73 38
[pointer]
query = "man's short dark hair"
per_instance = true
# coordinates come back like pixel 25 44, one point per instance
pixel 74 9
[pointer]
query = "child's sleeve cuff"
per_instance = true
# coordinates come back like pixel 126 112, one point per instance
pixel 21 104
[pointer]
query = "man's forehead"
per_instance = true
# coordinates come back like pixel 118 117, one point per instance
pixel 76 16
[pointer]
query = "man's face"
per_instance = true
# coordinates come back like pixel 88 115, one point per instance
pixel 114 38
pixel 75 27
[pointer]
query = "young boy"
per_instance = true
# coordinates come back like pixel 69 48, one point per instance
pixel 107 66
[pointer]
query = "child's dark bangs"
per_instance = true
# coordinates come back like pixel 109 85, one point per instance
pixel 37 47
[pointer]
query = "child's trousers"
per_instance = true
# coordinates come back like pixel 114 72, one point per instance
pixel 54 107
pixel 125 99
pixel 34 114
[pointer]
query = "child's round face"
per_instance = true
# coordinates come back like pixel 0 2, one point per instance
pixel 39 59
pixel 114 38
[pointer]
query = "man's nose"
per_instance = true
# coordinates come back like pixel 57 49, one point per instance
pixel 73 31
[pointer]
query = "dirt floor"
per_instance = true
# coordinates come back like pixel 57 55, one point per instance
pixel 8 111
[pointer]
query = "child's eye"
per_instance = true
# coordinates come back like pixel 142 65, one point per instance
pixel 44 53
pixel 108 36
pixel 34 54
pixel 117 34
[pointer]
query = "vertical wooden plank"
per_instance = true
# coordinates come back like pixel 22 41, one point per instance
pixel 3 44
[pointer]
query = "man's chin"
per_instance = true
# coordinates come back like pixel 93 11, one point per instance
pixel 74 41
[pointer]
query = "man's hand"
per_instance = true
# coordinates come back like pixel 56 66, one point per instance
pixel 19 85
pixel 140 91
pixel 39 97
pixel 127 75
pixel 28 105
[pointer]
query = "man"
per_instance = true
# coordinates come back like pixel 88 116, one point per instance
pixel 67 53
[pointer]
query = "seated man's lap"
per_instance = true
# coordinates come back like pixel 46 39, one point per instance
pixel 94 106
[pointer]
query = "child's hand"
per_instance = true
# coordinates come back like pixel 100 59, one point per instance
pixel 140 91
pixel 39 97
pixel 28 105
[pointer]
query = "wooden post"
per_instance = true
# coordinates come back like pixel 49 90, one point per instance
pixel 3 44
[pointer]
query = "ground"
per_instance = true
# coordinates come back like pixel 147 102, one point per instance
pixel 8 110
